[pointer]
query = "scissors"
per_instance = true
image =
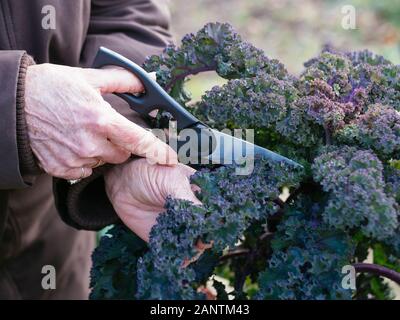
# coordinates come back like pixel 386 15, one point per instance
pixel 221 148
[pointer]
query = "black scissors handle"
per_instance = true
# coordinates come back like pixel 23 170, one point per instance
pixel 154 96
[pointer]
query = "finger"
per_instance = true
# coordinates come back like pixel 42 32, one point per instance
pixel 139 141
pixel 185 193
pixel 111 153
pixel 153 113
pixel 195 188
pixel 77 173
pixel 184 190
pixel 89 162
pixel 200 247
pixel 98 164
pixel 62 163
pixel 113 80
pixel 186 170
pixel 189 171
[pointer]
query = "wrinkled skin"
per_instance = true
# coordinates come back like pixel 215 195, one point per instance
pixel 138 189
pixel 70 126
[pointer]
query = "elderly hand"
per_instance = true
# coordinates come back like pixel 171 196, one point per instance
pixel 72 128
pixel 138 190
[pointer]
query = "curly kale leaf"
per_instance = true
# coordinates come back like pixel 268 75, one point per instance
pixel 377 129
pixel 161 274
pixel 360 77
pixel 308 258
pixel 257 102
pixel 354 182
pixel 114 271
pixel 215 47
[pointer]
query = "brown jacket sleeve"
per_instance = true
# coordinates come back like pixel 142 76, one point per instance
pixel 133 28
pixel 136 29
pixel 17 163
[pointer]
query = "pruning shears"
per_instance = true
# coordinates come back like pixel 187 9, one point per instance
pixel 225 148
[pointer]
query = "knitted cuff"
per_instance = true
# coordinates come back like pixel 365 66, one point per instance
pixel 27 161
pixel 87 203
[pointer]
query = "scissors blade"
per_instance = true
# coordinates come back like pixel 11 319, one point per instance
pixel 229 149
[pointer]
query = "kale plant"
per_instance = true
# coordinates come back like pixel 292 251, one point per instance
pixel 340 119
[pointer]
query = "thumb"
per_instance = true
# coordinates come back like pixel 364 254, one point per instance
pixel 183 190
pixel 113 80
pixel 139 141
pixel 185 193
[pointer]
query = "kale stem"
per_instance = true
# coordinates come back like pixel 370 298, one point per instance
pixel 238 252
pixel 378 270
pixel 189 72
pixel 328 140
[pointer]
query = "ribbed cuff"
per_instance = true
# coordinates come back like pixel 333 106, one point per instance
pixel 87 203
pixel 27 160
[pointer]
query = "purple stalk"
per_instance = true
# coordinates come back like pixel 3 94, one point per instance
pixel 234 254
pixel 188 73
pixel 378 270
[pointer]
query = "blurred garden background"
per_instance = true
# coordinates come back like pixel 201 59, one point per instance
pixel 293 31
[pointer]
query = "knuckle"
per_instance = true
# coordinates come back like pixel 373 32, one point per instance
pixel 101 124
pixel 98 124
pixel 95 99
pixel 94 125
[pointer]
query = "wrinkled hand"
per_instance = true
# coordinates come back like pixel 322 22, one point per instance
pixel 138 191
pixel 70 125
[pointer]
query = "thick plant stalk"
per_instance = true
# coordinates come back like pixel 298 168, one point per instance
pixel 188 72
pixel 238 252
pixel 378 270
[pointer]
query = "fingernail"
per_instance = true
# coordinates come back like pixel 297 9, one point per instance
pixel 172 159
